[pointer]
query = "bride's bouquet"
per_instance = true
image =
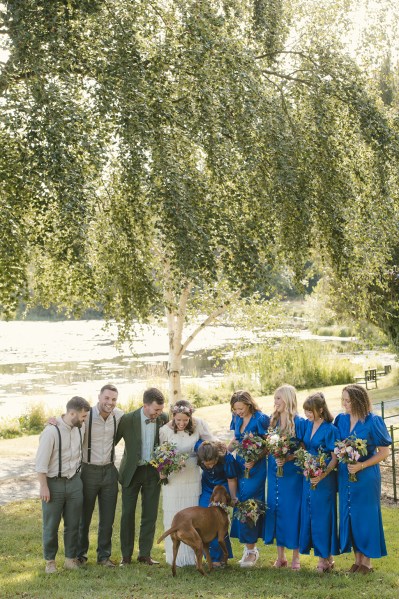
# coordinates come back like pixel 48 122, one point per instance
pixel 312 465
pixel 250 448
pixel 349 451
pixel 279 446
pixel 249 511
pixel 167 459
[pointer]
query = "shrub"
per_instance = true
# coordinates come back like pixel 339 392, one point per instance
pixel 34 421
pixel 303 364
pixel 10 429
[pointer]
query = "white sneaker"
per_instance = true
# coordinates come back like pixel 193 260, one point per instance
pixel 51 568
pixel 248 563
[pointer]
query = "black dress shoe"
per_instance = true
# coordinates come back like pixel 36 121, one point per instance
pixel 147 560
pixel 125 561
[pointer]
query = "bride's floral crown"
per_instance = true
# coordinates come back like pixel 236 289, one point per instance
pixel 182 410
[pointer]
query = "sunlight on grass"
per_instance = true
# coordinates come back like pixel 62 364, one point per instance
pixel 22 570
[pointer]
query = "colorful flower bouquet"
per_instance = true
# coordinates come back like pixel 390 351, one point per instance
pixel 249 511
pixel 312 465
pixel 166 459
pixel 250 448
pixel 349 451
pixel 279 446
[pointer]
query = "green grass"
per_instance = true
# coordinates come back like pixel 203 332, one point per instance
pixel 22 570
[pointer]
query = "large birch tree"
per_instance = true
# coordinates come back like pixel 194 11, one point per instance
pixel 166 157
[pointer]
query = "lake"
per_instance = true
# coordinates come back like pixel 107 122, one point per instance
pixel 49 362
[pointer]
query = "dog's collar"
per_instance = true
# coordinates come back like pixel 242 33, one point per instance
pixel 224 506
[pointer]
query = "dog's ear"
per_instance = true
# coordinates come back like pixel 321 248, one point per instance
pixel 228 499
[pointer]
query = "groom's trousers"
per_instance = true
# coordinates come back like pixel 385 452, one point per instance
pixel 146 482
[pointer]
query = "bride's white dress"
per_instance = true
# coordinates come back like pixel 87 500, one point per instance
pixel 184 487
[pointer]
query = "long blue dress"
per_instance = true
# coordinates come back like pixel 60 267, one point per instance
pixel 254 486
pixel 360 525
pixel 211 477
pixel 284 495
pixel 319 506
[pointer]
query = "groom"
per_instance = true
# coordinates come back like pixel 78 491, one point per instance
pixel 140 430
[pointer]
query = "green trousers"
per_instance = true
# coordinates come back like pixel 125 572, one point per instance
pixel 66 497
pixel 99 482
pixel 146 482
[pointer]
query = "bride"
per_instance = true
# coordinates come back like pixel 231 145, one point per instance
pixel 184 487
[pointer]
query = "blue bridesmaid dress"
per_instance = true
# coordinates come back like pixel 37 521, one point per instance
pixel 319 506
pixel 284 495
pixel 360 525
pixel 211 477
pixel 254 486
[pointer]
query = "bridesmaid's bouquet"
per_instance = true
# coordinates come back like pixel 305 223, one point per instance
pixel 279 446
pixel 249 511
pixel 312 465
pixel 349 451
pixel 167 459
pixel 250 448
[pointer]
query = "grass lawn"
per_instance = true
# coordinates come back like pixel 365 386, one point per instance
pixel 22 570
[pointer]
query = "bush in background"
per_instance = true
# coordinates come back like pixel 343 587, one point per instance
pixel 304 364
pixel 34 421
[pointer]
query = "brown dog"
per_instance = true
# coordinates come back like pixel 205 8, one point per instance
pixel 198 526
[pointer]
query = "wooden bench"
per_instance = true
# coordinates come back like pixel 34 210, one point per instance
pixel 387 370
pixel 372 375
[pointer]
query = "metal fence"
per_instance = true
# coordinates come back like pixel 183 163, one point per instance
pixel 389 411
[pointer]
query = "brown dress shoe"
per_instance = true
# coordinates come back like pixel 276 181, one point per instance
pixel 364 570
pixel 125 561
pixel 353 568
pixel 147 560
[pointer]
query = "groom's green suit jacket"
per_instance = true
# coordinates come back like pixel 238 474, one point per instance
pixel 129 428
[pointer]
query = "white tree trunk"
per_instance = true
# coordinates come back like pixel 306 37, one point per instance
pixel 175 317
pixel 176 310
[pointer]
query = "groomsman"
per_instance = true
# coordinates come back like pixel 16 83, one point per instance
pixel 58 461
pixel 99 475
pixel 140 430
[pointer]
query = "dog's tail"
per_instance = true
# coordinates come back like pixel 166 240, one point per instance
pixel 167 533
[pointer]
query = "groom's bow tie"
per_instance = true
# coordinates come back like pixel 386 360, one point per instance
pixel 150 420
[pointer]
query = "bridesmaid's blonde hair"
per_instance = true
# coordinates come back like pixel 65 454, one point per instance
pixel 288 393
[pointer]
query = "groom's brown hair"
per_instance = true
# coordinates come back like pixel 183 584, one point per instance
pixel 153 394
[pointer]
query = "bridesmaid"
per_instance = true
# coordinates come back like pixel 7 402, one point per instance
pixel 247 418
pixel 360 524
pixel 319 506
pixel 218 468
pixel 284 493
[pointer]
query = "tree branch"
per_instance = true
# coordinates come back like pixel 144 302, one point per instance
pixel 217 312
pixel 295 52
pixel 287 77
